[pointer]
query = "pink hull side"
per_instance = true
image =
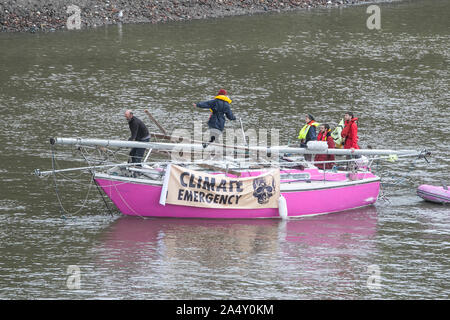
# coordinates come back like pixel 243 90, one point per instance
pixel 143 200
pixel 433 193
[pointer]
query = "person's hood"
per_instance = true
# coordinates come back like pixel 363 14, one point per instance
pixel 224 98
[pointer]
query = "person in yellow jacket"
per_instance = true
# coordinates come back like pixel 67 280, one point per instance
pixel 308 133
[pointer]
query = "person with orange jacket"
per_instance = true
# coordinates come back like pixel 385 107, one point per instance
pixel 325 135
pixel 350 131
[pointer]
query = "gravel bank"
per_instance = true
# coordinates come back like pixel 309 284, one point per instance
pixel 51 15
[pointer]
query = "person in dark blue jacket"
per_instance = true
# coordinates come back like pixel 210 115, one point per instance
pixel 219 107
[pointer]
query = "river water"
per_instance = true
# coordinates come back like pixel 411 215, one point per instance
pixel 276 68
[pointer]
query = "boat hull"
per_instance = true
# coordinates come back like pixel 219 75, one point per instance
pixel 433 193
pixel 141 199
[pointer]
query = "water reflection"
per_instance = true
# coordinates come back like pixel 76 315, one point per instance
pixel 246 255
pixel 333 230
pixel 119 31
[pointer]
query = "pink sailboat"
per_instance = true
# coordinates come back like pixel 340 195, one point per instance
pixel 201 190
pixel 140 197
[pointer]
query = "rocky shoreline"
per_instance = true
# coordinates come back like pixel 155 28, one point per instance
pixel 52 15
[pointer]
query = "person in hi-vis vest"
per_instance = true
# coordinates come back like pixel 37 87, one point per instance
pixel 308 133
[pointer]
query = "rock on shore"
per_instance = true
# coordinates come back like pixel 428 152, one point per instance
pixel 51 15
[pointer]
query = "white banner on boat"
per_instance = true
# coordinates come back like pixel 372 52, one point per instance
pixel 187 187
